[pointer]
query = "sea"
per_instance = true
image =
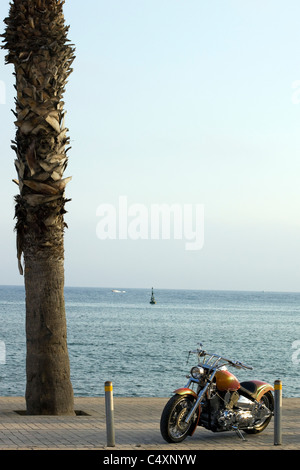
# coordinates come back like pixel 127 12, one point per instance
pixel 117 335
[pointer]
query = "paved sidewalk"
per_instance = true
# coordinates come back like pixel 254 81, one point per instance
pixel 136 428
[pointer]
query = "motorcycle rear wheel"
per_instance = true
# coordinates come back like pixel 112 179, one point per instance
pixel 268 400
pixel 172 425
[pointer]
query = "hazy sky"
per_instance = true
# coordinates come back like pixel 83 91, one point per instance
pixel 177 102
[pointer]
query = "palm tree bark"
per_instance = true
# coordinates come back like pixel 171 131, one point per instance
pixel 37 44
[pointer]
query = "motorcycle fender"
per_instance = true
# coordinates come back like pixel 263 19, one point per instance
pixel 262 388
pixel 188 391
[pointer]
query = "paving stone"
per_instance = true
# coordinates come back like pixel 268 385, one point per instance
pixel 136 428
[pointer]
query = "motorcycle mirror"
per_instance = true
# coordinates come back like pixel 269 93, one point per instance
pixel 189 353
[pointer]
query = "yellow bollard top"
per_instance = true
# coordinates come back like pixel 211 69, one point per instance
pixel 108 387
pixel 277 385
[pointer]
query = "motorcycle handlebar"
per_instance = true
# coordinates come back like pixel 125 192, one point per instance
pixel 245 366
pixel 236 364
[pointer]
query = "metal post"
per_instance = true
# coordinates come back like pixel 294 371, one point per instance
pixel 277 412
pixel 109 408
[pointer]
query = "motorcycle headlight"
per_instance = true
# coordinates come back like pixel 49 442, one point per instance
pixel 196 372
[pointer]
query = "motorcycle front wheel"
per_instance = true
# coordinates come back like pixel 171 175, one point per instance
pixel 173 427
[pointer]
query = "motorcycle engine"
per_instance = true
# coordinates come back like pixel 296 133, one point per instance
pixel 229 410
pixel 239 418
pixel 237 411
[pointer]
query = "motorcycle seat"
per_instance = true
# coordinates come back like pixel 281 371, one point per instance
pixel 248 389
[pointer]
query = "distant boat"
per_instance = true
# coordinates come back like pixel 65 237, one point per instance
pixel 116 290
pixel 152 300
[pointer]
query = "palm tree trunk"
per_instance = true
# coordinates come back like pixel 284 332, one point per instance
pixel 48 389
pixel 36 39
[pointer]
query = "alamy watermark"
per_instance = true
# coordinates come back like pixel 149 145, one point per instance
pixel 2 352
pixel 157 222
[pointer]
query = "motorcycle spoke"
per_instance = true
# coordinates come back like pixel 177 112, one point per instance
pixel 177 425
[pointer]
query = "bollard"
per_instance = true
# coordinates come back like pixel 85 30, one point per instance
pixel 109 409
pixel 277 412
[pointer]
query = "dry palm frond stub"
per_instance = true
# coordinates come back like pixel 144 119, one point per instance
pixel 36 39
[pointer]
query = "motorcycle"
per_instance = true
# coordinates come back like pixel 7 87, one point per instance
pixel 214 399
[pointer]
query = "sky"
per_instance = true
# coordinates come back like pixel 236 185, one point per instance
pixel 176 102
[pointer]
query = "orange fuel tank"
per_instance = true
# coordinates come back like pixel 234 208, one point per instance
pixel 226 381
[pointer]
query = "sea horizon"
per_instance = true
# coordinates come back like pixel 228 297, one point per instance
pixel 270 291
